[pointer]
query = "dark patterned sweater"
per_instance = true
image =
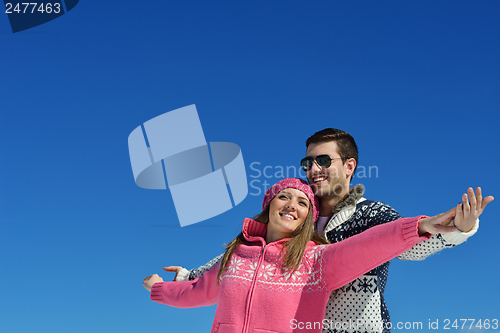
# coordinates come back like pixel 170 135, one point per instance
pixel 360 305
pixel 362 301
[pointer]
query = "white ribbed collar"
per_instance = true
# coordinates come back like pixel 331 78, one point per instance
pixel 342 216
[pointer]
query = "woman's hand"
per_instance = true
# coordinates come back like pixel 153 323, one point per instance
pixel 465 215
pixel 437 224
pixel 150 281
pixel 470 208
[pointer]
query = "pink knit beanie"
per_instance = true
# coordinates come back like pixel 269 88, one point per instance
pixel 298 184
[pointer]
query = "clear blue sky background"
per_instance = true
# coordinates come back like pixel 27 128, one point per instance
pixel 417 83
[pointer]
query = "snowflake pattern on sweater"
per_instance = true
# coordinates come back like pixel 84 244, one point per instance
pixel 274 277
pixel 364 297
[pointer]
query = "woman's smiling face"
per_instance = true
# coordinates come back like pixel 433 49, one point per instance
pixel 287 211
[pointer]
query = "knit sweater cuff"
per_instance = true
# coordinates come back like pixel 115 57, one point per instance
pixel 157 292
pixel 410 230
pixel 458 237
pixel 182 275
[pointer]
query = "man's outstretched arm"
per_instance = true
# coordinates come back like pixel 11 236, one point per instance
pixel 466 221
pixel 182 274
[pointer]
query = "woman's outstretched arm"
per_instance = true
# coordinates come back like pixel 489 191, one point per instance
pixel 203 291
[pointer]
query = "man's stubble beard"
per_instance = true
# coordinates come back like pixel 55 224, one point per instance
pixel 334 189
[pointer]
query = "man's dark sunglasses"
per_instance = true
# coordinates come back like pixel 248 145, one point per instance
pixel 323 161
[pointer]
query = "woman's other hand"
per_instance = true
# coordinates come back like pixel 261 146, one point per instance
pixel 150 281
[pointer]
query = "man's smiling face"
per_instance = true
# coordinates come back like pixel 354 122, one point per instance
pixel 331 181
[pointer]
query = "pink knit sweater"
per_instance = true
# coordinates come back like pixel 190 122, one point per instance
pixel 257 294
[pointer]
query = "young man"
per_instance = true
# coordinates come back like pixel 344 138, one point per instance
pixel 330 163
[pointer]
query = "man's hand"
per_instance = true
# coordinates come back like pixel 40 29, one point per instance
pixel 175 269
pixel 150 281
pixel 470 208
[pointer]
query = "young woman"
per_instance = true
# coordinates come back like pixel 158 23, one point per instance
pixel 276 276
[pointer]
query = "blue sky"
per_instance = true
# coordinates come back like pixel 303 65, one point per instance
pixel 416 83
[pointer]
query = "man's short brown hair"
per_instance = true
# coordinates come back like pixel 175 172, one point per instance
pixel 345 142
